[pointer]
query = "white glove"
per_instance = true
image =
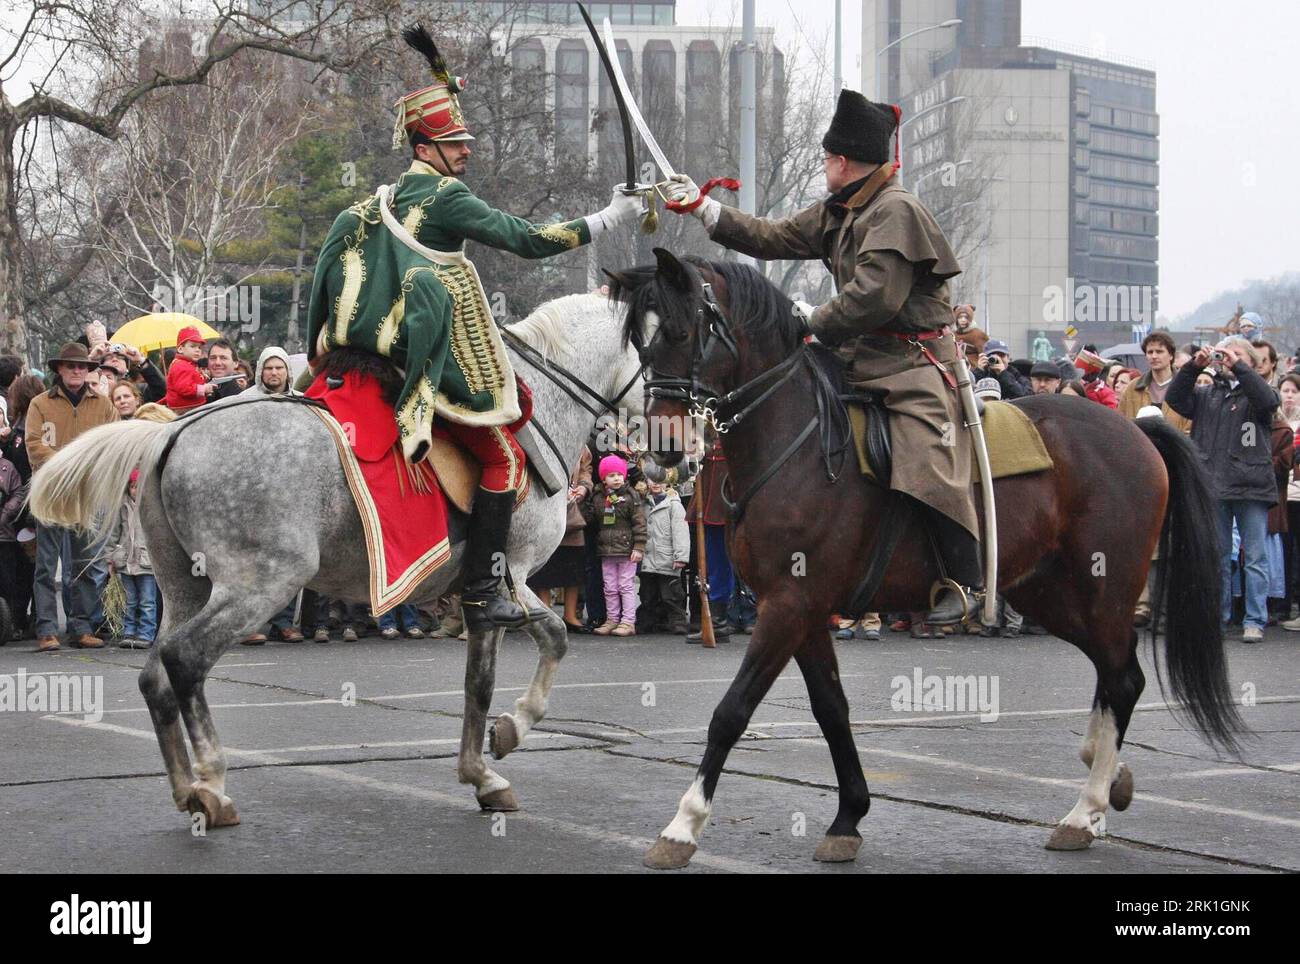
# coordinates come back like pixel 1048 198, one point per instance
pixel 622 209
pixel 685 191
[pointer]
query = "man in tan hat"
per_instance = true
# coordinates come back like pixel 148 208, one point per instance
pixel 54 419
pixel 890 318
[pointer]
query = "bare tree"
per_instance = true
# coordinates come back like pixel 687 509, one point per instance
pixel 1278 303
pixel 953 173
pixel 72 40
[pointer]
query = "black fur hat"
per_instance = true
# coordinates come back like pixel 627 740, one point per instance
pixel 861 129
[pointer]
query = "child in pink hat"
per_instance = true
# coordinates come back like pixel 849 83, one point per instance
pixel 620 542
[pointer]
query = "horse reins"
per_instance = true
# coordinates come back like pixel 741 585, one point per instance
pixel 708 404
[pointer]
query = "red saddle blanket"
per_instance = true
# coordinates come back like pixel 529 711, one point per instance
pixel 403 510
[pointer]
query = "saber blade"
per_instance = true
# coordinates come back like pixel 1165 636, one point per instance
pixel 630 102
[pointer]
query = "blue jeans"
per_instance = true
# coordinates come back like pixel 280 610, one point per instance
pixel 141 621
pixel 722 580
pixel 50 545
pixel 410 616
pixel 1252 525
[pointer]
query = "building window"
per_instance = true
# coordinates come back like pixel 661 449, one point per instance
pixel 703 103
pixel 612 155
pixel 659 95
pixel 663 15
pixel 571 80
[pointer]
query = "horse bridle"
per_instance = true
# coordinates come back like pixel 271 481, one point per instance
pixel 557 374
pixel 709 404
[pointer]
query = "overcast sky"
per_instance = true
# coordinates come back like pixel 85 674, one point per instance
pixel 1229 106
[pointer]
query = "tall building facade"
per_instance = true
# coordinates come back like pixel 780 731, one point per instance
pixel 1066 147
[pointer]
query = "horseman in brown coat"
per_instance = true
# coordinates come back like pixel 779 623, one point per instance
pixel 890 318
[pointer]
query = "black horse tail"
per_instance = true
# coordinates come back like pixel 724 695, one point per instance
pixel 1188 592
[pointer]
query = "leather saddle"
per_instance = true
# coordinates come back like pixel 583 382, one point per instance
pixel 876 435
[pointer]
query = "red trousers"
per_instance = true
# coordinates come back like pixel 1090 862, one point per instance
pixel 504 467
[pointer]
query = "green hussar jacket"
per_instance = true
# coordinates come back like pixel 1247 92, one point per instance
pixel 421 304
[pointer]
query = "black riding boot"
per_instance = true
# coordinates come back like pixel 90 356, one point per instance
pixel 961 558
pixel 489 527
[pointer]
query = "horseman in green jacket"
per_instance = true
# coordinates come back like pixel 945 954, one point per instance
pixel 393 280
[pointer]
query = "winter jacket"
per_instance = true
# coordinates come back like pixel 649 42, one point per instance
pixel 1283 462
pixel 53 421
pixel 1232 429
pixel 128 553
pixel 574 523
pixel 1014 385
pixel 619 519
pixel 183 382
pixel 668 539
pixel 1138 395
pixel 257 388
pixel 13 493
pixel 1101 393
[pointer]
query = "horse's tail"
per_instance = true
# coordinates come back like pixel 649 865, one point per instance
pixel 84 485
pixel 1188 591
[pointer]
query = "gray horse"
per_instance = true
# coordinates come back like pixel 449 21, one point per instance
pixel 221 582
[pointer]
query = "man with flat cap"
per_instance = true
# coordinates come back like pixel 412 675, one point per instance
pixel 890 318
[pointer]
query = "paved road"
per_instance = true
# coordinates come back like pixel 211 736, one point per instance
pixel 372 787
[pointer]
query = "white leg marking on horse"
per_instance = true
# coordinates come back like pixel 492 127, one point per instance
pixel 491 782
pixel 1089 748
pixel 1090 812
pixel 692 815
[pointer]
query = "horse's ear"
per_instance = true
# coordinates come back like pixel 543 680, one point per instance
pixel 671 270
pixel 620 284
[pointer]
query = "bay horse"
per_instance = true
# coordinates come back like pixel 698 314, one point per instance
pixel 721 341
pixel 230 548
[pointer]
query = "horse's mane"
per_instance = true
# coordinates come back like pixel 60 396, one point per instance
pixel 756 306
pixel 546 329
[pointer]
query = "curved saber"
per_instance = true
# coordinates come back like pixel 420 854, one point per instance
pixel 615 75
pixel 624 96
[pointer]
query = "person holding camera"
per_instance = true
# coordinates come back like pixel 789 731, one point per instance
pixel 1232 421
pixel 995 362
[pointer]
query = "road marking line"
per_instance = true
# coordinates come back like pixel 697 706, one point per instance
pixel 637 844
pixel 222 665
pixel 924 719
pixel 499 689
pixel 1234 771
pixel 1056 782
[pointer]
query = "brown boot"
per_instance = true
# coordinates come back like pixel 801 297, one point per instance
pixel 47 644
pixel 87 641
pixel 257 639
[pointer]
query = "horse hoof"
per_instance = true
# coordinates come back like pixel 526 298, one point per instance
pixel 1067 837
pixel 1121 790
pixel 668 854
pixel 499 801
pixel 838 849
pixel 504 736
pixel 217 812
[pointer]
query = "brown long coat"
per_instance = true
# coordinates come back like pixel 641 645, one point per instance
pixel 891 265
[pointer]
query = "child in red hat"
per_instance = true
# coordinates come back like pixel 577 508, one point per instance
pixel 186 387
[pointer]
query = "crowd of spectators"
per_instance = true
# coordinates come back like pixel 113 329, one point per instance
pixel 632 542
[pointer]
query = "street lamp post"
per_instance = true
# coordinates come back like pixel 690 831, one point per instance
pixel 875 67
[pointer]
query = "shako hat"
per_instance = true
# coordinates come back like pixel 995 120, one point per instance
pixel 432 111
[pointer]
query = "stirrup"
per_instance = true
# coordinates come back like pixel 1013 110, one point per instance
pixel 969 600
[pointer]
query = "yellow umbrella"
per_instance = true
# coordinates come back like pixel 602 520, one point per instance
pixel 159 330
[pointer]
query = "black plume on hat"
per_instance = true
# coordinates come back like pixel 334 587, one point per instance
pixel 861 128
pixel 418 39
